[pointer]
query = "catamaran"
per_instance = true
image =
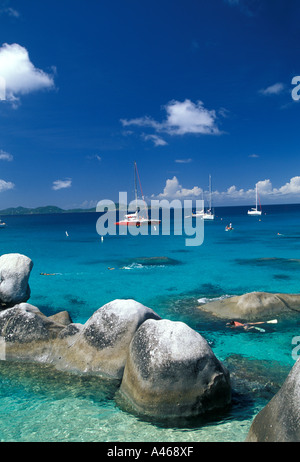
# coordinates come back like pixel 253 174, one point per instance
pixel 206 214
pixel 137 218
pixel 255 211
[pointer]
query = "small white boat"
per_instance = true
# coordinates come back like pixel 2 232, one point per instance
pixel 206 214
pixel 2 224
pixel 200 213
pixel 255 211
pixel 136 218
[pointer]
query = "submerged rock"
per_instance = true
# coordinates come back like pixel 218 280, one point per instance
pixel 14 275
pixel 279 420
pixel 253 306
pixel 172 371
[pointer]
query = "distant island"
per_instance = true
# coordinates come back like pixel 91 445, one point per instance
pixel 41 210
pixel 48 209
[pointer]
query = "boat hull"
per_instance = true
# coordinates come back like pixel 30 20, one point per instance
pixel 254 213
pixel 138 223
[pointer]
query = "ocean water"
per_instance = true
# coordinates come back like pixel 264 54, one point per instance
pixel 38 403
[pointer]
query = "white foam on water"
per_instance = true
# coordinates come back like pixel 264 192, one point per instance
pixel 204 300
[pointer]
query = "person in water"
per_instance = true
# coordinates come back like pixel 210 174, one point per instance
pixel 246 326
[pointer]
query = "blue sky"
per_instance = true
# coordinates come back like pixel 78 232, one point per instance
pixel 184 88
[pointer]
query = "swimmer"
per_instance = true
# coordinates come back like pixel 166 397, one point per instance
pixel 245 326
pixel 250 325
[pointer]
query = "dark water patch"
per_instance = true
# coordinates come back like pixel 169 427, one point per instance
pixel 147 262
pixel 135 262
pixel 74 300
pixel 255 378
pixel 48 309
pixel 41 297
pixel 180 251
pixel 71 304
pixel 186 309
pixel 295 236
pixel 209 290
pixel 185 305
pixel 171 289
pixel 281 276
pixel 157 261
pixel 274 262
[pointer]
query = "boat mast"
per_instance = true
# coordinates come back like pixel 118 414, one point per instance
pixel 135 187
pixel 210 192
pixel 256 197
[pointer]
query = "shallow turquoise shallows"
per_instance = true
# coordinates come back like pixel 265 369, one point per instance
pixel 38 403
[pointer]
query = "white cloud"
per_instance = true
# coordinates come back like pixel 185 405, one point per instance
pixel 157 140
pixel 95 156
pixel 188 117
pixel 10 12
pixel 62 184
pixel 254 156
pixel 142 122
pixel 6 185
pixel 291 191
pixel 20 75
pixel 173 190
pixel 183 161
pixel 5 156
pixel 87 204
pixel 275 89
pixel 292 187
pixel 182 118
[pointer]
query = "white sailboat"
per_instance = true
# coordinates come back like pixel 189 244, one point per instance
pixel 206 214
pixel 136 218
pixel 255 211
pixel 199 213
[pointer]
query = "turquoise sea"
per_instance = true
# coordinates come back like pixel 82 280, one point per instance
pixel 38 403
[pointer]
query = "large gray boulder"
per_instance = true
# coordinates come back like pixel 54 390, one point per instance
pixel 279 420
pixel 171 371
pixel 27 334
pixel 100 346
pixel 253 306
pixel 14 275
